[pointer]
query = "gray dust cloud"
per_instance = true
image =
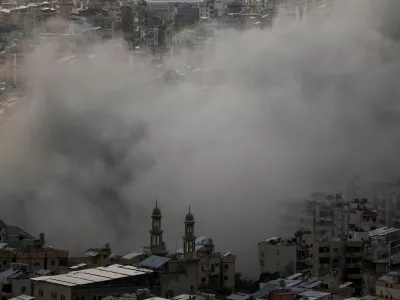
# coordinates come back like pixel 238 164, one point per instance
pixel 299 108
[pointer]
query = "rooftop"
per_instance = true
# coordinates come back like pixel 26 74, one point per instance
pixel 23 297
pixel 89 276
pixel 279 241
pixel 313 294
pixel 382 231
pixel 154 262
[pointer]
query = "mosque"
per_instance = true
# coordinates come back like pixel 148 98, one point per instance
pixel 195 267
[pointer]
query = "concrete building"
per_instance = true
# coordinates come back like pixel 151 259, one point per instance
pixel 93 257
pixel 64 9
pixel 380 255
pixel 185 15
pixel 277 255
pixel 18 246
pixel 195 266
pixel 388 286
pixel 27 17
pixel 15 282
pixel 16 237
pixel 94 283
pixel 207 9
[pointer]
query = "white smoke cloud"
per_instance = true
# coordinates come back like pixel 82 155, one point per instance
pixel 302 108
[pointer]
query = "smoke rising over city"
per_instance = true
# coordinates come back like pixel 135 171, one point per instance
pixel 301 108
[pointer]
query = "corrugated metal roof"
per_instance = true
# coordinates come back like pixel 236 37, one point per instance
pixel 102 273
pixel 238 297
pixel 308 281
pixel 10 273
pixel 382 231
pixel 314 294
pixel 78 266
pixel 134 254
pixel 294 276
pixel 264 291
pixel 43 272
pixel 88 276
pixel 346 284
pixel 313 284
pixel 23 297
pixel 154 262
pixel 291 283
pixel 122 270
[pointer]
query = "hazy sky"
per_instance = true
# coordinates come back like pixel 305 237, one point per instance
pixel 303 107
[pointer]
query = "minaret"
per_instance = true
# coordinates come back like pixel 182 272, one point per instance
pixel 156 242
pixel 189 239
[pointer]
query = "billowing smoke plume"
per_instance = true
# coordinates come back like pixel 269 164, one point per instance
pixel 299 108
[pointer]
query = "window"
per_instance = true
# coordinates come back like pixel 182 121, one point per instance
pixel 203 280
pixel 62 297
pixel 226 278
pixel 53 262
pixel 204 268
pixel 94 297
pixel 391 286
pixel 387 284
pixel 40 293
pixel 23 289
pixel 226 267
pixel 262 254
pixel 53 296
pixel 105 256
pixel 4 262
pixel 37 263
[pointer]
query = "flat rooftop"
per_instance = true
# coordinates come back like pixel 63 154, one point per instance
pixel 88 276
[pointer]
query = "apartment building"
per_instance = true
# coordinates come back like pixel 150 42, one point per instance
pixel 27 17
pixel 19 247
pixel 380 255
pixel 388 286
pixel 330 216
pixel 277 255
pixel 15 281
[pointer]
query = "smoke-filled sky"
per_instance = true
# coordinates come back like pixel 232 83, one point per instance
pixel 301 108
